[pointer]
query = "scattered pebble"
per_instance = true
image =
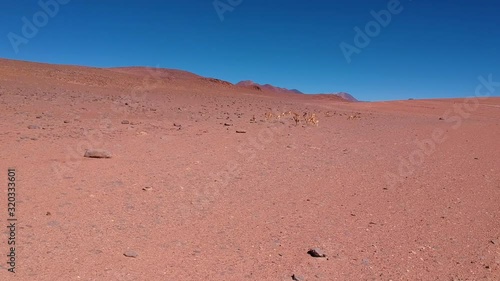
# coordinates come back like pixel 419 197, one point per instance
pixel 228 124
pixel 316 253
pixel 131 254
pixel 97 153
pixel 241 131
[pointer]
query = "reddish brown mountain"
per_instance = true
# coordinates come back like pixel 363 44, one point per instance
pixel 267 87
pixel 345 96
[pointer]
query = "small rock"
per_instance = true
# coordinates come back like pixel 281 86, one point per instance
pixel 228 124
pixel 97 153
pixel 131 254
pixel 66 121
pixel 147 188
pixel 316 253
pixel 297 278
pixel 241 131
pixel 177 125
pixel 33 127
pixel 495 242
pixel 125 122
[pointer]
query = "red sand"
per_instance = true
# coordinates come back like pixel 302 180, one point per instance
pixel 198 201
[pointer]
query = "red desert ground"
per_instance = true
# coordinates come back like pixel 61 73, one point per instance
pixel 156 174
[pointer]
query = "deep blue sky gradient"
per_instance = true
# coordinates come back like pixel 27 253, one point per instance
pixel 431 49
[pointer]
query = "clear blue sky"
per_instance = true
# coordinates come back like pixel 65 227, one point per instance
pixel 430 49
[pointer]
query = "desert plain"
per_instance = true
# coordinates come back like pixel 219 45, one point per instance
pixel 208 180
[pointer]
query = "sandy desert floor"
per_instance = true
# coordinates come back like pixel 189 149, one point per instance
pixel 403 190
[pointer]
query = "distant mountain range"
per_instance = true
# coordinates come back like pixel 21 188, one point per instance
pixel 183 79
pixel 253 85
pixel 267 87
